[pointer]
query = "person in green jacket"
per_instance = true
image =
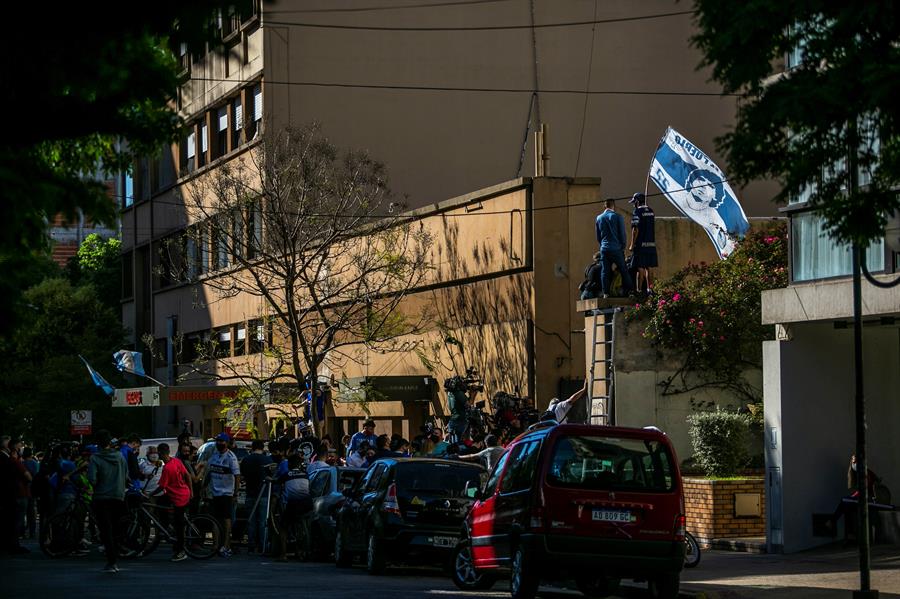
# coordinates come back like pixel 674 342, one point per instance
pixel 107 471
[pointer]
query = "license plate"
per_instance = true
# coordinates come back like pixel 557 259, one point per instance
pixel 445 541
pixel 621 516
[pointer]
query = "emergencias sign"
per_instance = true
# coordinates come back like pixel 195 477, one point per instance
pixel 172 396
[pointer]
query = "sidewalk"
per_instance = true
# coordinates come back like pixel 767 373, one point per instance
pixel 820 573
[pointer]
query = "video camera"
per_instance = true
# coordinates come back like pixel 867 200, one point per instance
pixel 471 382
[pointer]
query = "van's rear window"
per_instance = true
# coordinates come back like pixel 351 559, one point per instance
pixel 444 480
pixel 605 463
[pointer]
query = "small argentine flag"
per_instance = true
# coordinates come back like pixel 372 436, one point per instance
pixel 698 188
pixel 99 380
pixel 131 362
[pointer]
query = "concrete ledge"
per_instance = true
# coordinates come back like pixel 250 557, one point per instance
pixel 827 300
pixel 601 303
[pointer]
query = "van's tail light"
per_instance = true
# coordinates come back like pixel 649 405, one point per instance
pixel 536 520
pixel 679 527
pixel 390 504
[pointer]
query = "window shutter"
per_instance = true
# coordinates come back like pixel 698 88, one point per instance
pixel 257 103
pixel 238 115
pixel 223 118
pixel 191 145
pixel 204 138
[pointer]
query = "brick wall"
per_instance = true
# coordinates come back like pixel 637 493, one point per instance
pixel 709 506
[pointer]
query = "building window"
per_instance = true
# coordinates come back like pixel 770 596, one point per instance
pixel 127 191
pixel 127 275
pixel 238 122
pixel 222 253
pixel 240 340
pixel 160 359
pixel 222 131
pixel 203 245
pixel 144 178
pixel 192 256
pixel 222 344
pixel 237 234
pixel 189 347
pixel 256 114
pixel 815 255
pixel 188 152
pixel 254 228
pixel 204 143
pixel 260 336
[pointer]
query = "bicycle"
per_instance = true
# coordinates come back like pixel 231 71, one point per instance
pixel 63 532
pixel 691 551
pixel 142 532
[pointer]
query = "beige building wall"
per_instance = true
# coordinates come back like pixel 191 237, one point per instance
pixel 400 94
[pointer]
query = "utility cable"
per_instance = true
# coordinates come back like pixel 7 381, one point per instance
pixel 587 88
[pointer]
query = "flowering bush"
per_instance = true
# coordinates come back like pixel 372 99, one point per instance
pixel 710 313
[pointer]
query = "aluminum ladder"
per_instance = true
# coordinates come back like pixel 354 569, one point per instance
pixel 601 369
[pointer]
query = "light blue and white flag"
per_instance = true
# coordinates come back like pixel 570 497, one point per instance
pixel 131 362
pixel 99 380
pixel 699 189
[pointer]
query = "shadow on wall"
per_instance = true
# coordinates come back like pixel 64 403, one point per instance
pixel 485 323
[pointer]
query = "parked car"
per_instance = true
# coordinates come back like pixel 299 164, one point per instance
pixel 404 509
pixel 591 503
pixel 327 486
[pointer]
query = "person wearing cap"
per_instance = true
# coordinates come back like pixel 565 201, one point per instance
pixel 366 434
pixel 643 242
pixel 560 408
pixel 610 229
pixel 224 480
pixel 151 469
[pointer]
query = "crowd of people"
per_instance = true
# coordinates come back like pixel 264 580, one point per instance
pixel 108 477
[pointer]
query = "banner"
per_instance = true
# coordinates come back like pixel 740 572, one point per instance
pixel 129 361
pixel 699 189
pixel 99 380
pixel 136 397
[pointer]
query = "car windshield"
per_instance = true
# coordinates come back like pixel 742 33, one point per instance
pixel 605 463
pixel 433 478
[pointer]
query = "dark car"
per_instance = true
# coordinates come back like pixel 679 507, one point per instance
pixel 404 510
pixel 591 503
pixel 327 486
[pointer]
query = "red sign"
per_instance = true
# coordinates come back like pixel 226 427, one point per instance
pixel 134 397
pixel 80 423
pixel 200 395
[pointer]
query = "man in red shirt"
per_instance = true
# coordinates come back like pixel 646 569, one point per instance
pixel 175 482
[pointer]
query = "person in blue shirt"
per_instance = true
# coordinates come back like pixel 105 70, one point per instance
pixel 610 229
pixel 366 434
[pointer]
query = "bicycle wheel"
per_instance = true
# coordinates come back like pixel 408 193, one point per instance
pixel 202 536
pixel 58 535
pixel 274 518
pixel 691 551
pixel 133 536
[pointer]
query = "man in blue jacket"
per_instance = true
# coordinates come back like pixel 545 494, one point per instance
pixel 107 471
pixel 610 228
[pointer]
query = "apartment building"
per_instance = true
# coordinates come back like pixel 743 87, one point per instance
pixel 449 97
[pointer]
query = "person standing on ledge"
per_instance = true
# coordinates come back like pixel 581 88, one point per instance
pixel 610 228
pixel 643 242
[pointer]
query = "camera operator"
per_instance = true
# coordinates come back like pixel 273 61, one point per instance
pixel 460 397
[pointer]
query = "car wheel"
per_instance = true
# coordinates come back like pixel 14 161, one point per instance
pixel 375 558
pixel 596 588
pixel 665 586
pixel 342 557
pixel 464 574
pixel 523 582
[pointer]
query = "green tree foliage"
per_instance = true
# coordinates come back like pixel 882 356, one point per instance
pixel 98 263
pixel 76 83
pixel 43 377
pixel 719 440
pixel 710 314
pixel 799 127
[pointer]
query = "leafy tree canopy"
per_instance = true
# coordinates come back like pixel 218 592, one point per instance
pixel 77 82
pixel 798 127
pixel 98 263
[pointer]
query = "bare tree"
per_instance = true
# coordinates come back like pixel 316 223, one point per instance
pixel 310 232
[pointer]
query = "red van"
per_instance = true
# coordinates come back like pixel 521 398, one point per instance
pixel 593 504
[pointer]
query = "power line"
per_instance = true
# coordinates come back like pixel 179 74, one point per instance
pixel 479 27
pixel 447 88
pixel 381 8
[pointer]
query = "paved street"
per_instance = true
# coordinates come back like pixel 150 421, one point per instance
pixel 721 575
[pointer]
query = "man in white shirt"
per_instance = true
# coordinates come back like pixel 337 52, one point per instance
pixel 561 409
pixel 224 479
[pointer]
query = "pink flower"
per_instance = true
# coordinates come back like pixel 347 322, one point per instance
pixel 661 303
pixel 704 334
pixel 637 305
pixel 700 324
pixel 676 297
pixel 721 338
pixel 691 320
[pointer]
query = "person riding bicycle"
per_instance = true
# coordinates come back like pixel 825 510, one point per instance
pixel 296 501
pixel 176 483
